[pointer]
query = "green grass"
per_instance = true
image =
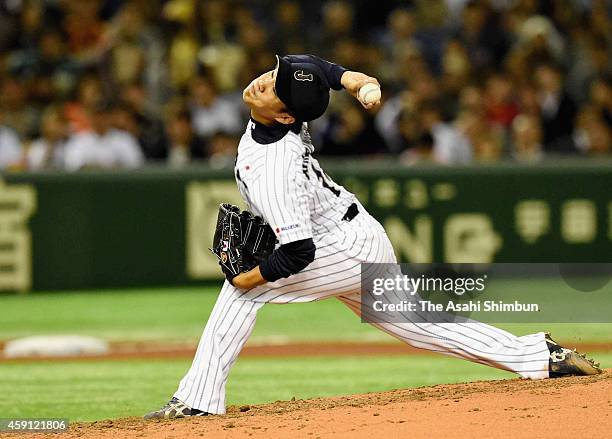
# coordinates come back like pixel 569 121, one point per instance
pixel 91 390
pixel 180 313
pixel 162 314
pixel 97 389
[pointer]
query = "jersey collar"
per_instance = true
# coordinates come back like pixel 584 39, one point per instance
pixel 265 135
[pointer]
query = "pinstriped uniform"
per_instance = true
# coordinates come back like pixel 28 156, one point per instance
pixel 283 183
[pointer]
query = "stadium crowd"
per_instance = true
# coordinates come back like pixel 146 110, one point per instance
pixel 117 83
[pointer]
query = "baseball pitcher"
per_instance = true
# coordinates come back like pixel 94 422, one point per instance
pixel 305 237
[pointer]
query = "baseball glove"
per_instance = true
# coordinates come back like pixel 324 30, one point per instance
pixel 241 240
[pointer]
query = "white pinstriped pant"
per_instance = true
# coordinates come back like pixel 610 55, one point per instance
pixel 336 272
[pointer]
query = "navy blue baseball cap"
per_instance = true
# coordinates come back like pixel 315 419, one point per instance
pixel 301 87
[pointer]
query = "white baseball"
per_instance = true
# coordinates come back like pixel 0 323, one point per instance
pixel 369 93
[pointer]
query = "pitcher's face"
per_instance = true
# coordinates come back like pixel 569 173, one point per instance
pixel 261 98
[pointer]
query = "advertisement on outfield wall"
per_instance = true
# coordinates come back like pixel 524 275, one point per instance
pixel 87 230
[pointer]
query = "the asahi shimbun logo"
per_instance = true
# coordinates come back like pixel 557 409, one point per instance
pixel 299 75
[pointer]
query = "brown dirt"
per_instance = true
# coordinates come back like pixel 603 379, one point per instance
pixel 151 349
pixel 577 407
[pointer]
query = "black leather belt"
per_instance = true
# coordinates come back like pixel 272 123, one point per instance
pixel 351 213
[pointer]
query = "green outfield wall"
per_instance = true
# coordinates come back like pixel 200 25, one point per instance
pixel 153 227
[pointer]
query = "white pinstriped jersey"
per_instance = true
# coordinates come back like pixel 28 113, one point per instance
pixel 284 184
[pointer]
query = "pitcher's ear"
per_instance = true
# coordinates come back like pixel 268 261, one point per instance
pixel 285 118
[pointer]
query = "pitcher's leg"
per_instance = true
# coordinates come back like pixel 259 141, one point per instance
pixel 229 326
pixel 478 342
pixel 231 322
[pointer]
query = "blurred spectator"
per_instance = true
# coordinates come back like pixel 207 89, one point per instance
pixel 222 150
pixel 432 33
pixel 537 40
pixel 388 121
pixel 397 40
pixel 135 51
pixel 456 72
pixel 89 94
pixel 254 39
pixel 472 98
pixel 600 19
pixel 184 45
pixel 126 58
pixel 351 131
pixel 591 57
pixel 451 146
pixel 421 152
pixel 410 132
pixel 122 118
pixel 104 146
pixel 290 28
pixel 10 148
pixel 215 21
pixel 18 115
pixel 184 145
pixel 599 138
pixel 9 25
pixel 150 128
pixel 483 37
pixel 499 100
pixel 235 46
pixel 48 67
pixel 337 25
pixel 210 112
pixel 85 30
pixel 32 23
pixel 601 97
pixel 425 88
pixel 527 139
pixel 401 27
pixel 485 139
pixel 557 108
pixel 488 148
pixel 529 100
pixel 48 151
pixel 592 134
pixel 480 63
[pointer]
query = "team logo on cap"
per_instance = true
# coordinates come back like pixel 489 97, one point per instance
pixel 299 75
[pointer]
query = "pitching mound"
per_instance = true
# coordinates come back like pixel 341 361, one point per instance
pixel 568 407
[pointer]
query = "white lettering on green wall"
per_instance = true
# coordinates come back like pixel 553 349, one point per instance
pixel 17 204
pixel 578 221
pixel 470 238
pixel 203 199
